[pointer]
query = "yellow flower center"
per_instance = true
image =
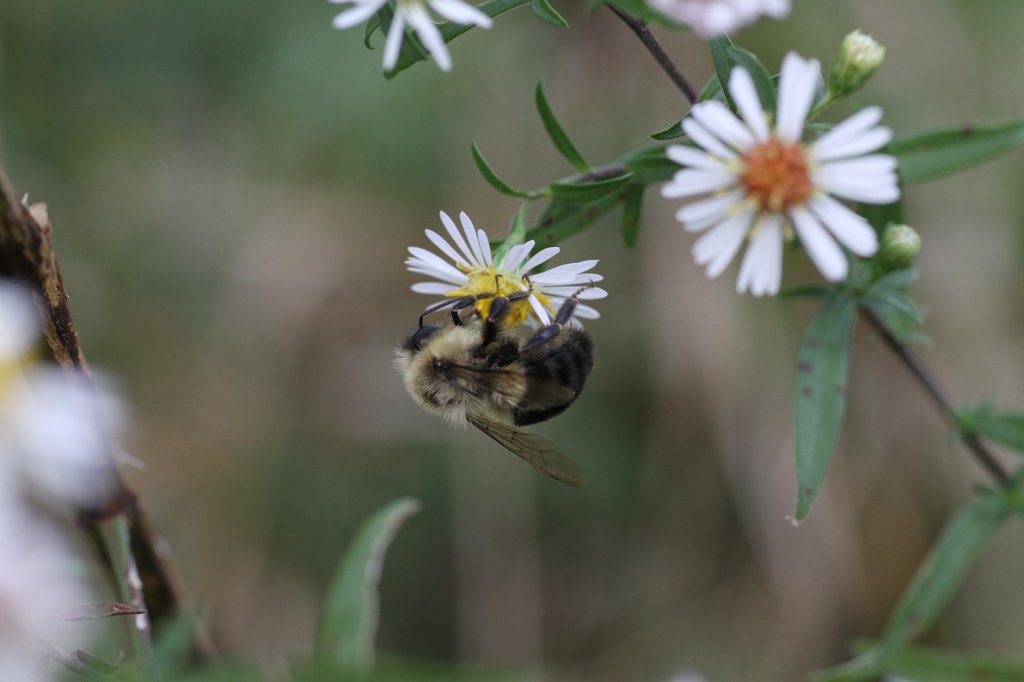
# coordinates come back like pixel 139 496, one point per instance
pixel 490 281
pixel 776 175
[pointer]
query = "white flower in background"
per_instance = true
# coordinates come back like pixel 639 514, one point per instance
pixel 473 271
pixel 714 17
pixel 55 434
pixel 415 14
pixel 764 181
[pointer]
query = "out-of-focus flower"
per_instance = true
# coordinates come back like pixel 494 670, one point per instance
pixel 474 272
pixel 55 433
pixel 859 57
pixel 765 181
pixel 715 17
pixel 416 15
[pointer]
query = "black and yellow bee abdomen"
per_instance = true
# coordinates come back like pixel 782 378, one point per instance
pixel 567 360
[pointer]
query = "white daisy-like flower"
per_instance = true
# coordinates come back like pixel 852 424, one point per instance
pixel 715 17
pixel 473 271
pixel 763 181
pixel 416 15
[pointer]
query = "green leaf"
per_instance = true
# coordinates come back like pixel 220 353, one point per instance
pixel 449 32
pixel 711 90
pixel 821 394
pixel 372 26
pixel 941 573
pixel 516 235
pixel 544 10
pixel 672 132
pixel 737 56
pixel 492 178
pixel 557 133
pixel 927 664
pixel 561 220
pixel 719 47
pixel 936 153
pixel 806 291
pixel 1002 427
pixel 632 205
pixel 650 165
pixel 349 623
pixel 589 192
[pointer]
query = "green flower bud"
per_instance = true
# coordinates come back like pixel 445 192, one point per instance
pixel 900 246
pixel 859 57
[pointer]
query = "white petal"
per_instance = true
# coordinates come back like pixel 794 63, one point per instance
pixel 851 128
pixel 393 44
pixel 873 139
pixel 485 246
pixel 850 229
pixel 516 255
pixel 441 288
pixel 761 270
pixel 539 310
pixel 741 87
pixel 472 238
pixel 356 14
pixel 19 322
pixel 883 189
pixel 427 30
pixel 718 120
pixel 699 215
pixel 696 132
pixel 542 256
pixel 820 246
pixel 445 247
pixel 431 259
pixel 693 158
pixel 869 166
pixel 796 91
pixel 586 312
pixel 461 13
pixel 456 236
pixel 688 182
pixel 458 280
pixel 718 247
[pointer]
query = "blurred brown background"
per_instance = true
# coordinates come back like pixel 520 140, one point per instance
pixel 233 185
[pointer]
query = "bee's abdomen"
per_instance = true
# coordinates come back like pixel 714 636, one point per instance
pixel 568 360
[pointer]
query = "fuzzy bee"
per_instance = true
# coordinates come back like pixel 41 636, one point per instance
pixel 483 374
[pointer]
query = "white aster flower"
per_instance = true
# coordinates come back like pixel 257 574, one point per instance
pixel 416 15
pixel 473 271
pixel 765 181
pixel 715 17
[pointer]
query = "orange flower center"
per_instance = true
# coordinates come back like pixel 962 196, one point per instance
pixel 775 174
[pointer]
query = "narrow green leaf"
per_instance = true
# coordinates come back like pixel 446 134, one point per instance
pixel 650 165
pixel 589 192
pixel 806 291
pixel 821 394
pixel 492 178
pixel 632 205
pixel 544 10
pixel 936 153
pixel 711 90
pixel 516 235
pixel 372 26
pixel 942 573
pixel 737 56
pixel 449 32
pixel 561 220
pixel 929 664
pixel 719 46
pixel 1002 427
pixel 672 132
pixel 557 133
pixel 349 623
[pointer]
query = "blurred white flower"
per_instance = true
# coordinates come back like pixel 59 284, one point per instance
pixel 475 272
pixel 715 17
pixel 415 14
pixel 55 433
pixel 765 181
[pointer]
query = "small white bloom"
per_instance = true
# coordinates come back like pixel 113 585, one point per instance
pixel 715 17
pixel 763 182
pixel 473 271
pixel 415 14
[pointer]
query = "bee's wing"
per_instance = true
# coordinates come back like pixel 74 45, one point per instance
pixel 532 447
pixel 528 392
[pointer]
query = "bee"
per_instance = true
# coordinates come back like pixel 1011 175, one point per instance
pixel 483 374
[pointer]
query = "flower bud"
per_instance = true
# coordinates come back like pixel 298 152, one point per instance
pixel 859 57
pixel 900 246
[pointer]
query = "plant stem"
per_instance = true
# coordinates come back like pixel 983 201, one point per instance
pixel 664 61
pixel 934 390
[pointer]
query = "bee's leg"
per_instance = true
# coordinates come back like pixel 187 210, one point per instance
pixel 561 319
pixel 456 305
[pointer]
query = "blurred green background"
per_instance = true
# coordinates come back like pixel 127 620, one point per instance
pixel 233 185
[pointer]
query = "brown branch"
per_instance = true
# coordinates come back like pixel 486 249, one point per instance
pixel 658 52
pixel 933 389
pixel 27 255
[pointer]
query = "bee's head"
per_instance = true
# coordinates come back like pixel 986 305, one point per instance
pixel 418 338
